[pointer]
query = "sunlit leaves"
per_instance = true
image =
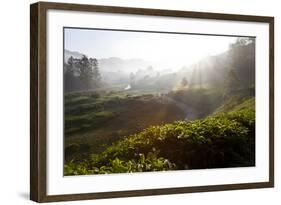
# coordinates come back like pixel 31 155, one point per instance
pixel 221 140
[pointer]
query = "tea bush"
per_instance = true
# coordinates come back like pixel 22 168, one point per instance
pixel 225 139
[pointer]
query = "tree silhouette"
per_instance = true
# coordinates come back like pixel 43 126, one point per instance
pixel 232 83
pixel 184 82
pixel 81 74
pixel 69 78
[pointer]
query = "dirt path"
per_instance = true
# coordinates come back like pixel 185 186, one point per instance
pixel 190 113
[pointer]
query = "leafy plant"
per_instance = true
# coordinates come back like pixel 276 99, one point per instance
pixel 221 140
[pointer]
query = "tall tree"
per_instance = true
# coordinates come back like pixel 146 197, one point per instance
pixel 193 78
pixel 89 72
pixel 69 78
pixel 81 74
pixel 242 58
pixel 184 82
pixel 232 82
pixel 96 73
pixel 132 79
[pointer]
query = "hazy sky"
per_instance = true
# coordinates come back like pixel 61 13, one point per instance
pixel 158 48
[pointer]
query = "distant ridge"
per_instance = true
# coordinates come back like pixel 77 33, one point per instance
pixel 74 54
pixel 113 63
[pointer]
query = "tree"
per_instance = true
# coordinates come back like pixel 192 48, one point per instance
pixel 69 78
pixel 96 73
pixel 81 74
pixel 193 78
pixel 242 57
pixel 85 72
pixel 184 82
pixel 232 83
pixel 88 72
pixel 132 79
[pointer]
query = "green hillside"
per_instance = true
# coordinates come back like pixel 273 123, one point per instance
pixel 224 139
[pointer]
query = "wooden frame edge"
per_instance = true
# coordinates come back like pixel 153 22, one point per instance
pixel 38 112
pixel 34 172
pixel 37 102
pixel 271 101
pixel 153 12
pixel 155 192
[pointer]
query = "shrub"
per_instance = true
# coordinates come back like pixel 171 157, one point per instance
pixel 221 140
pixel 71 149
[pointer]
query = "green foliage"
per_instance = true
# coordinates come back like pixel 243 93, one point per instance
pixel 81 74
pixel 141 164
pixel 76 152
pixel 99 118
pixel 242 60
pixel 244 98
pixel 71 149
pixel 221 140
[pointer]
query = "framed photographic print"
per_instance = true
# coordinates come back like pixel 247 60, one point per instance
pixel 134 102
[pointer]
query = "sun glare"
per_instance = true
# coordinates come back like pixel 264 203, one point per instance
pixel 162 50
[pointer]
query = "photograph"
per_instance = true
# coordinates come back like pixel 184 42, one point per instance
pixel 150 101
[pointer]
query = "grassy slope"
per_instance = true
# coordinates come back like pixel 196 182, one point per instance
pixel 225 139
pixel 94 121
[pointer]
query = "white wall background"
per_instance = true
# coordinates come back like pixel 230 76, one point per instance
pixel 14 101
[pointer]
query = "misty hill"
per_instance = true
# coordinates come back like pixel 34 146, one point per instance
pixel 235 66
pixel 122 65
pixel 229 72
pixel 74 54
pixel 116 70
pixel 234 69
pixel 112 63
pixel 113 69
